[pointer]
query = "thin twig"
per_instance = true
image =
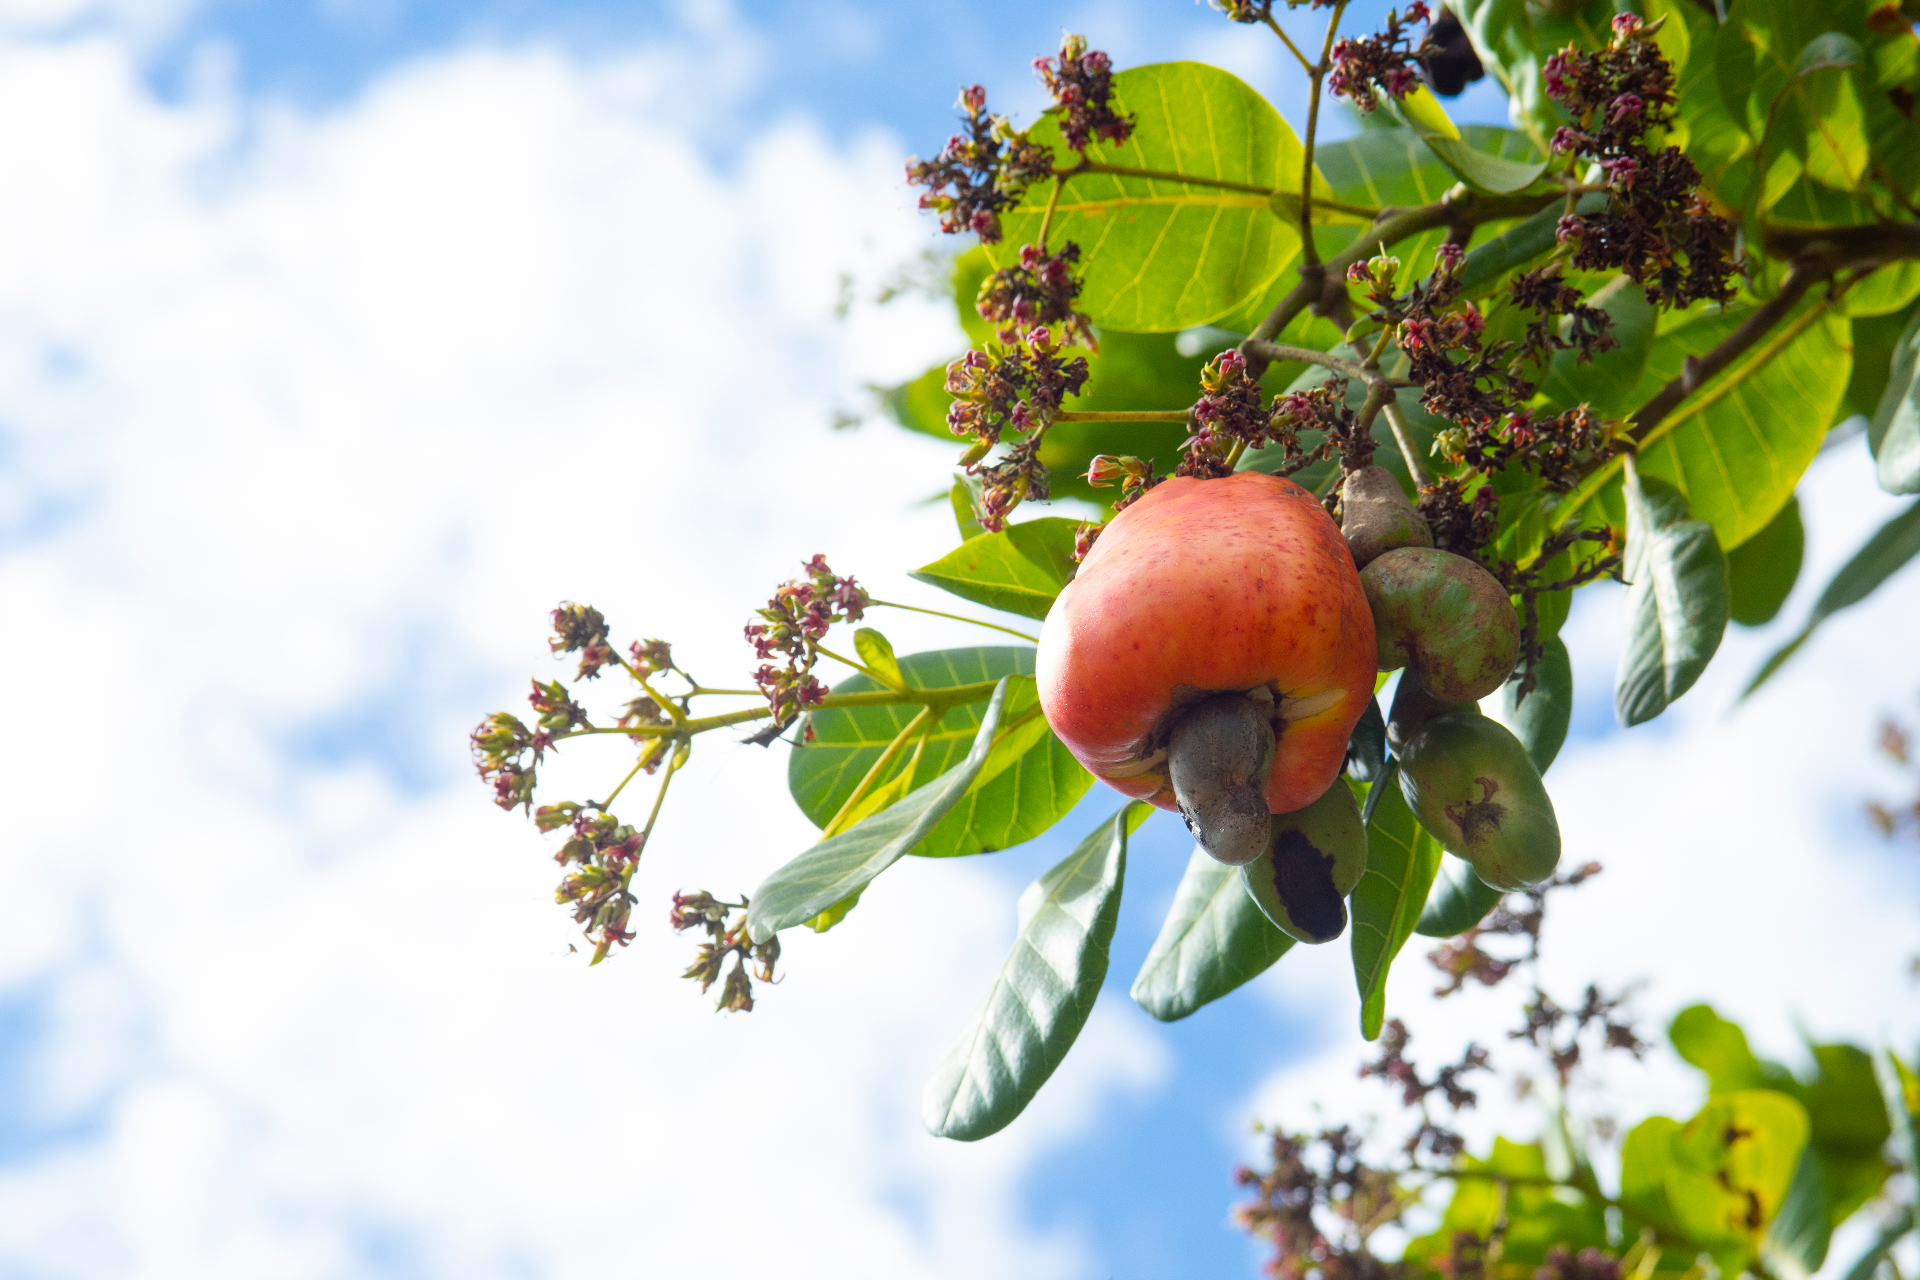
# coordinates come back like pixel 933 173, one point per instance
pixel 1403 436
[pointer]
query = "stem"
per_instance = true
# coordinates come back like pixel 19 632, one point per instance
pixel 646 832
pixel 951 696
pixel 920 723
pixel 864 670
pixel 615 793
pixel 1276 352
pixel 1695 371
pixel 1458 208
pixel 1310 255
pixel 1046 221
pixel 699 689
pixel 1288 41
pixel 1121 415
pixel 991 626
pixel 1403 436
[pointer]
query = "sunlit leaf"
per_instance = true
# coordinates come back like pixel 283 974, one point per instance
pixel 1762 570
pixel 844 864
pixel 1676 606
pixel 1402 860
pixel 1161 255
pixel 1480 170
pixel 1458 901
pixel 1894 434
pixel 1214 939
pixel 1020 569
pixel 1043 994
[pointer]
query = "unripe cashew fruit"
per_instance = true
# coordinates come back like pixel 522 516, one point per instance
pixel 1312 861
pixel 1376 517
pixel 1239 586
pixel 1469 782
pixel 1445 619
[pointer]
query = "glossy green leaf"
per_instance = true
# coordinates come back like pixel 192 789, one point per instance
pixel 961 496
pixel 1646 1157
pixel 844 864
pixel 1731 1167
pixel 1158 255
pixel 1522 245
pixel 1367 745
pixel 876 652
pixel 1676 606
pixel 1042 996
pixel 1740 443
pixel 1458 901
pixel 1795 1245
pixel 1762 570
pixel 1029 782
pixel 1607 381
pixel 1903 1116
pixel 1885 554
pixel 1540 720
pixel 1894 434
pixel 1534 1218
pixel 1214 939
pixel 1502 36
pixel 1483 171
pixel 1402 860
pixel 1020 569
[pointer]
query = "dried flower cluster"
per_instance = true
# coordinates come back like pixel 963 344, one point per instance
pixel 1017 386
pixel 601 855
pixel 979 172
pixel 750 959
pixel 1394 1067
pixel 1081 82
pixel 1317 1206
pixel 791 627
pixel 1894 745
pixel 1037 291
pixel 1386 62
pixel 1233 415
pixel 1134 476
pixel 1657 226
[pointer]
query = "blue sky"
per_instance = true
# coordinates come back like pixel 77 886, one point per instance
pixel 337 342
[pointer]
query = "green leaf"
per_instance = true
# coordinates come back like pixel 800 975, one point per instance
pixel 1029 782
pixel 1740 443
pixel 1042 996
pixel 961 496
pixel 876 652
pixel 1899 1096
pixel 1519 246
pixel 1402 860
pixel 1894 434
pixel 1458 901
pixel 1868 1265
pixel 1762 570
pixel 1719 1048
pixel 1607 381
pixel 1019 570
pixel 1540 721
pixel 1645 1161
pixel 1480 170
pixel 1159 255
pixel 1731 1167
pixel 1796 1242
pixel 1502 36
pixel 842 865
pixel 1886 553
pixel 1214 939
pixel 1676 607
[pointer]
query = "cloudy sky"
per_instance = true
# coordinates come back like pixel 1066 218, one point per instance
pixel 338 340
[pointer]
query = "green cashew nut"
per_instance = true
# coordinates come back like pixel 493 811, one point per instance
pixel 1445 619
pixel 1376 517
pixel 1314 858
pixel 1469 782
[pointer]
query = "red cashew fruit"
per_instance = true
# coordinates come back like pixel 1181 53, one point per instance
pixel 1199 595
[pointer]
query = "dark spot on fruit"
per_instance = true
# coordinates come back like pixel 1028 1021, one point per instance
pixel 1476 816
pixel 1303 878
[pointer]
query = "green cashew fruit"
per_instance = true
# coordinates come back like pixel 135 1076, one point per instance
pixel 1470 783
pixel 1445 619
pixel 1375 516
pixel 1315 857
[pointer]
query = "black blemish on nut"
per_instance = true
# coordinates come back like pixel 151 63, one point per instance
pixel 1303 878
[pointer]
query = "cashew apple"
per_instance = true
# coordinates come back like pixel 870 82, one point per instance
pixel 1201 595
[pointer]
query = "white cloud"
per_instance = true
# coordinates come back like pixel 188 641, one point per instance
pixel 330 420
